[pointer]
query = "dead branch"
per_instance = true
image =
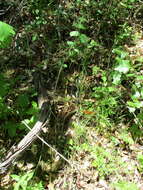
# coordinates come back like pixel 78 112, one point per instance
pixel 16 151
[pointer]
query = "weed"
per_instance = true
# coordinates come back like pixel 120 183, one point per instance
pixel 22 182
pixel 123 185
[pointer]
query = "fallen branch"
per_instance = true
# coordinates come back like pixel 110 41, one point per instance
pixel 45 112
pixel 16 151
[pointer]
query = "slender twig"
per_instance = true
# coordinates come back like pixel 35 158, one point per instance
pixel 48 145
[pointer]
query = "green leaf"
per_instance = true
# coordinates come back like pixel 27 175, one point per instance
pixel 80 23
pixel 74 33
pixel 11 128
pixel 139 77
pixel 34 37
pixel 83 38
pixel 135 104
pixel 33 110
pixel 15 177
pixel 6 33
pixel 22 181
pixel 122 54
pixel 38 186
pixel 93 44
pixel 124 66
pixel 34 105
pixel 70 43
pixel 136 95
pixel 79 26
pixel 95 70
pixel 23 100
pixel 116 78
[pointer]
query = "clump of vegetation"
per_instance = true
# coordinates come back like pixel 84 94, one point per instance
pixel 90 55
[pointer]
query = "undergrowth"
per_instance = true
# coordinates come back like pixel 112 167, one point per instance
pixel 91 54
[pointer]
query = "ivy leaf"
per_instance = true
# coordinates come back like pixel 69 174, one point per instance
pixel 124 66
pixel 6 33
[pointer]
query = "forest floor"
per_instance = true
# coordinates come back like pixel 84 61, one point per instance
pixel 90 55
pixel 98 160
